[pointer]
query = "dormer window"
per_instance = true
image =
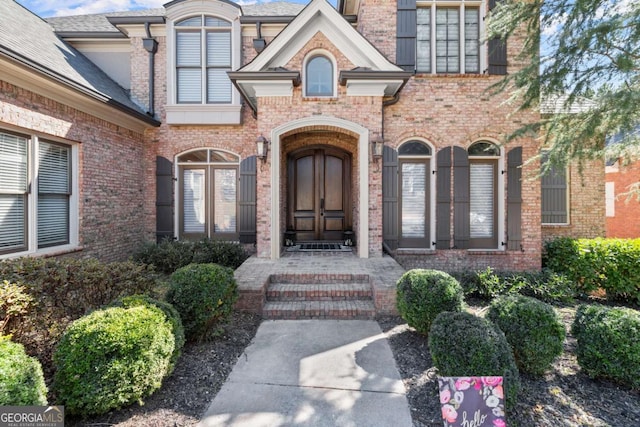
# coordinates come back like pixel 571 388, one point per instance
pixel 203 57
pixel 319 76
pixel 203 44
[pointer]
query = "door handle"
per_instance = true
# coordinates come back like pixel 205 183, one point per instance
pixel 321 206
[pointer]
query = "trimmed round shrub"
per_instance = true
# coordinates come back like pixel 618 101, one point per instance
pixel 112 358
pixel 423 294
pixel 203 294
pixel 170 313
pixel 21 378
pixel 608 343
pixel 462 344
pixel 533 329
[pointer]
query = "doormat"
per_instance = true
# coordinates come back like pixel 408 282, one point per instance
pixel 319 247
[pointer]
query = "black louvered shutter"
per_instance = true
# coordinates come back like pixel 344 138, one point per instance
pixel 406 31
pixel 247 200
pixel 390 197
pixel 443 199
pixel 461 198
pixel 164 198
pixel 497 51
pixel 514 199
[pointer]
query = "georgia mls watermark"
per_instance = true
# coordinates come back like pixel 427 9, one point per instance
pixel 31 416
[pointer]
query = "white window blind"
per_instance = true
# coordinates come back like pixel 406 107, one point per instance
pixel 189 71
pixel 447 40
pixel 194 200
pixel 413 200
pixel 472 40
pixel 218 63
pixel 54 180
pixel 13 191
pixel 423 40
pixel 224 181
pixel 482 200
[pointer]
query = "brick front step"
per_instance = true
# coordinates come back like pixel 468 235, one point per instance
pixel 348 309
pixel 319 292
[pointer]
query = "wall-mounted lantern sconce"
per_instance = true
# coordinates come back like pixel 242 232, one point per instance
pixel 262 147
pixel 377 145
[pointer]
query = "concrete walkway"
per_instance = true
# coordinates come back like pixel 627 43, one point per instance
pixel 313 373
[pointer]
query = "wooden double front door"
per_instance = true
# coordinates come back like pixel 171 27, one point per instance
pixel 319 199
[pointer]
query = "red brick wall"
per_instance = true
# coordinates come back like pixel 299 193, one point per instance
pixel 626 222
pixel 111 177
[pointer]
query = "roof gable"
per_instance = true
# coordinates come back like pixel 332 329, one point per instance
pixel 320 16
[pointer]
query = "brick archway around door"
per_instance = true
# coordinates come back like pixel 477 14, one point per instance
pixel 325 123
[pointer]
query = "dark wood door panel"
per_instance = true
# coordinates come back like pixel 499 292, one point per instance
pixel 319 193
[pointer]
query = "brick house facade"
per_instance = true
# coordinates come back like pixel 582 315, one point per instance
pixel 323 87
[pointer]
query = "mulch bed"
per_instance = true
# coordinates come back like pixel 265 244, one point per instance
pixel 563 397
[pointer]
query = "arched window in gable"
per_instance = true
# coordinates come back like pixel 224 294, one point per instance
pixel 319 76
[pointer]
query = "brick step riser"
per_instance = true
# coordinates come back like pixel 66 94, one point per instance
pixel 320 310
pixel 319 296
pixel 325 278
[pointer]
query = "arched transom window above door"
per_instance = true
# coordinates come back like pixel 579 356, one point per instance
pixel 319 76
pixel 207 192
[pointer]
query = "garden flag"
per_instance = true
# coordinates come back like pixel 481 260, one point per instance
pixel 472 401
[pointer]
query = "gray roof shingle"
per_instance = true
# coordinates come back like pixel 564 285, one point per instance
pixel 99 23
pixel 30 40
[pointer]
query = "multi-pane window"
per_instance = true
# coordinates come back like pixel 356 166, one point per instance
pixel 483 195
pixel 26 184
pixel 414 171
pixel 203 57
pixel 448 37
pixel 208 191
pixel 554 194
pixel 319 76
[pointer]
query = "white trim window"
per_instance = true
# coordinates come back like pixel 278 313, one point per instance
pixel 484 182
pixel 319 73
pixel 203 43
pixel 203 57
pixel 38 194
pixel 448 37
pixel 208 189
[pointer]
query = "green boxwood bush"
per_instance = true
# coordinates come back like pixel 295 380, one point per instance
pixel 203 294
pixel 462 344
pixel 610 264
pixel 608 343
pixel 423 294
pixel 14 303
pixel 532 328
pixel 21 378
pixel 170 313
pixel 170 255
pixel 66 289
pixel 112 358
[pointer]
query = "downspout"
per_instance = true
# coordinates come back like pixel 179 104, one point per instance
pixel 150 45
